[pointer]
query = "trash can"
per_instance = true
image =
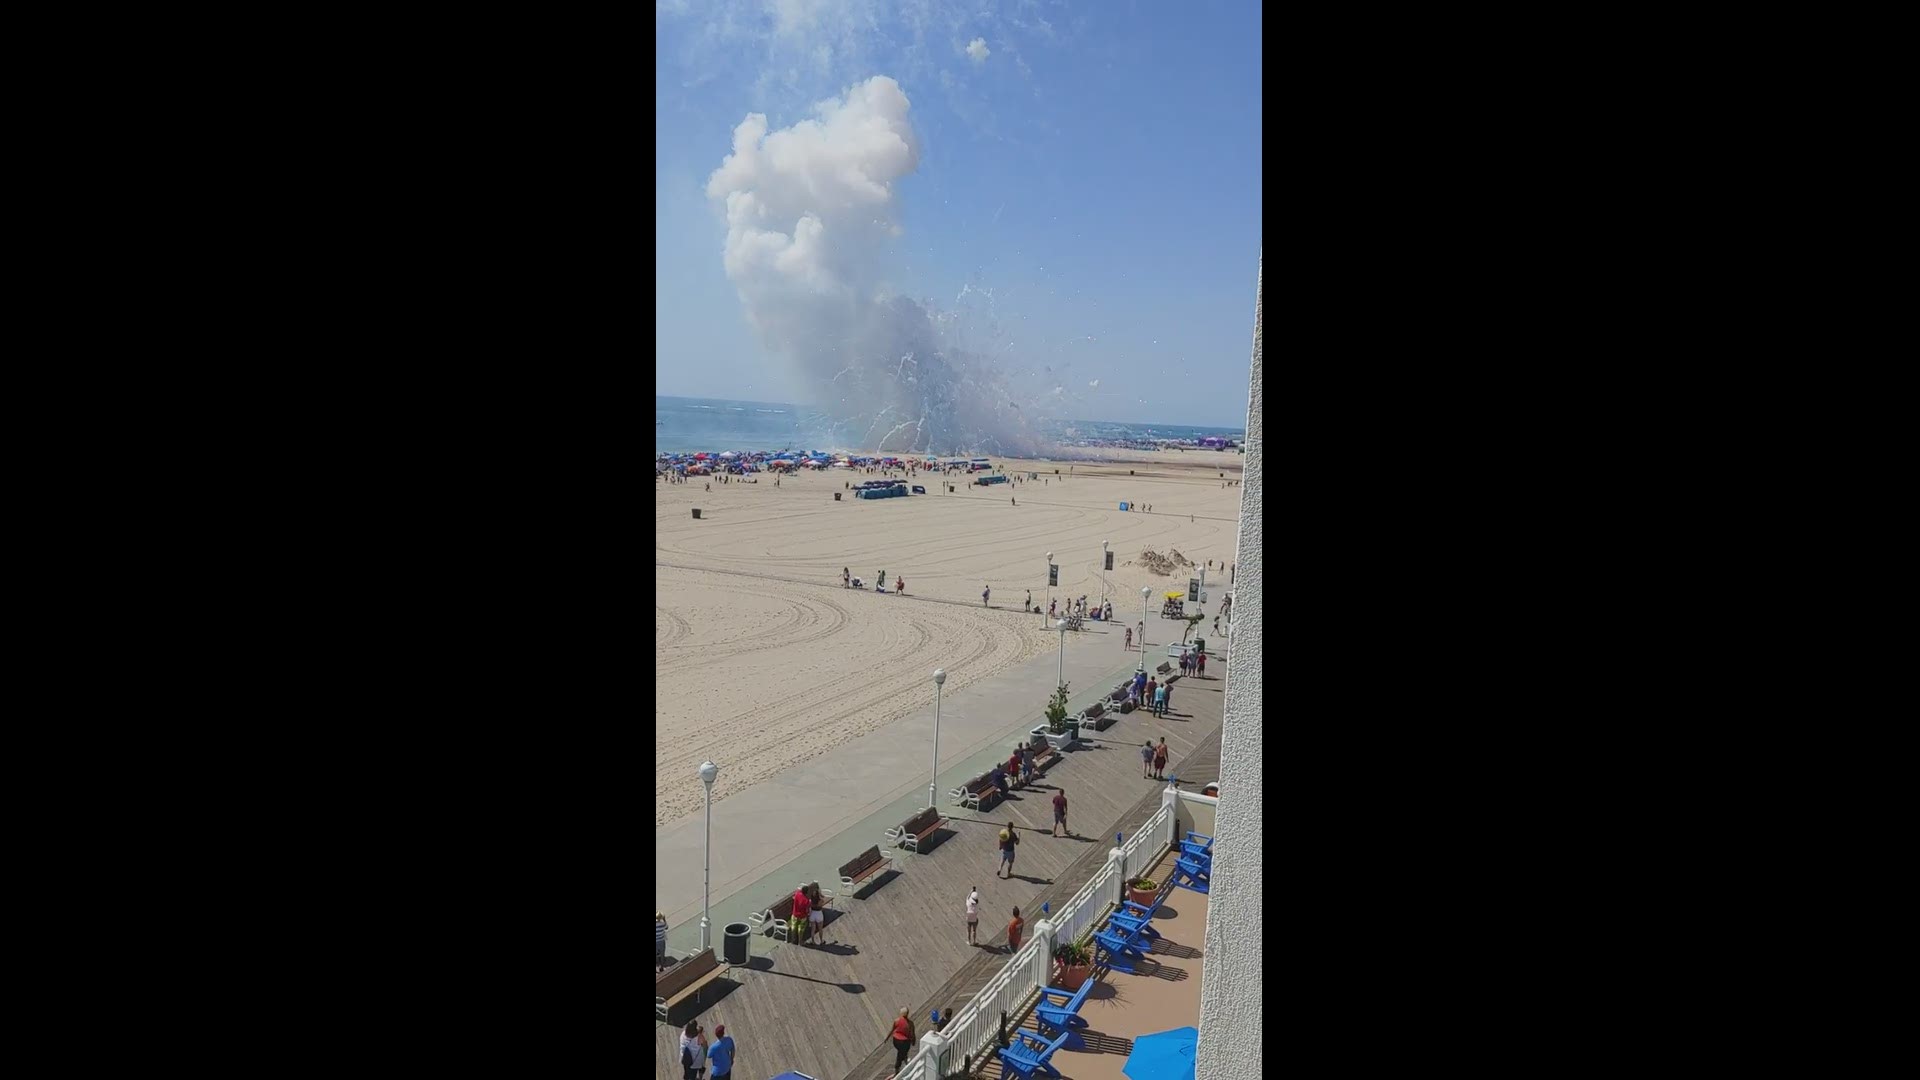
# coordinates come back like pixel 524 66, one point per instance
pixel 836 496
pixel 736 943
pixel 696 513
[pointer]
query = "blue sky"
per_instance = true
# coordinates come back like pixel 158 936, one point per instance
pixel 1085 203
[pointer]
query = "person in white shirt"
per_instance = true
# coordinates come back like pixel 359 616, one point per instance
pixel 973 915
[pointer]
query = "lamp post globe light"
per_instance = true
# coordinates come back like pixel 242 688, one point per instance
pixel 1145 592
pixel 933 780
pixel 708 771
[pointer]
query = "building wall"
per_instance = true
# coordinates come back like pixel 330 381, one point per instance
pixel 1231 1001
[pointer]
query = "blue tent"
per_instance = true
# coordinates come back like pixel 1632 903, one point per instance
pixel 793 1076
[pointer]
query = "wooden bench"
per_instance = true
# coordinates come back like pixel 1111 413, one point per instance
pixel 683 981
pixel 911 832
pixel 773 918
pixel 863 866
pixel 976 792
pixel 1044 759
pixel 1164 668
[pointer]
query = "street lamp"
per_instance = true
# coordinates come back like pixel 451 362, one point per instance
pixel 933 781
pixel 1062 680
pixel 1145 591
pixel 1105 546
pixel 708 770
pixel 1043 618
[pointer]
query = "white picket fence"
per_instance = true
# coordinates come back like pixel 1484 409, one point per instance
pixel 976 1028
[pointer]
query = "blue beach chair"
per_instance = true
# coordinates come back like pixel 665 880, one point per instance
pixel 1028 1054
pixel 1122 948
pixel 1189 874
pixel 1066 1014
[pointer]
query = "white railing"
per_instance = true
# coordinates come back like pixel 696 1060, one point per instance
pixel 976 1028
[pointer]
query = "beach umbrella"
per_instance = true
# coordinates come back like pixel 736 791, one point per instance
pixel 793 1076
pixel 729 453
pixel 1163 1055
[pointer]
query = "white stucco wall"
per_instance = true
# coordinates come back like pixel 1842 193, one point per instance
pixel 1231 1001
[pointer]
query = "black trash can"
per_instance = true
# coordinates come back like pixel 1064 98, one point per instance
pixel 696 513
pixel 836 496
pixel 736 943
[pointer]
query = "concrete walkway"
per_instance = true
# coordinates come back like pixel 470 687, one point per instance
pixel 805 821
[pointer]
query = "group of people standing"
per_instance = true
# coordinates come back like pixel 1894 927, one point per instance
pixel 697 1055
pixel 1153 759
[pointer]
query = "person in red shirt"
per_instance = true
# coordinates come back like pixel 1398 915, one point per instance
pixel 902 1041
pixel 802 908
pixel 1013 769
pixel 1014 926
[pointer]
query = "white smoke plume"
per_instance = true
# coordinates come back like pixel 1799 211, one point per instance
pixel 811 211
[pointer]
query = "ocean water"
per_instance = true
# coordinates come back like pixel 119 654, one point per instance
pixel 693 424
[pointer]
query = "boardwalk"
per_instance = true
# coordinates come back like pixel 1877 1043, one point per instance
pixel 901 941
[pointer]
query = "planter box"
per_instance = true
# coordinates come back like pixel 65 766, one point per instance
pixel 1070 978
pixel 1065 742
pixel 1143 897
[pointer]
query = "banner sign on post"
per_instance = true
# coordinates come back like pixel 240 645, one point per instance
pixel 1109 560
pixel 1053 574
pixel 1193 589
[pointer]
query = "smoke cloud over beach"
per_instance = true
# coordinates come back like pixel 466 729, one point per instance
pixel 811 213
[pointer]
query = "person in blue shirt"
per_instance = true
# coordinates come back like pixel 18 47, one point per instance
pixel 721 1053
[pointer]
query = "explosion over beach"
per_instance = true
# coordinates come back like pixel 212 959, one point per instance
pixel 811 212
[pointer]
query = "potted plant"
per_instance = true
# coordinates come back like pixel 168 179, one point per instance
pixel 1142 891
pixel 1072 963
pixel 1061 732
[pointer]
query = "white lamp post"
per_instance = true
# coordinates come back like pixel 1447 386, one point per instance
pixel 933 781
pixel 1145 591
pixel 1105 546
pixel 1043 618
pixel 1062 680
pixel 708 770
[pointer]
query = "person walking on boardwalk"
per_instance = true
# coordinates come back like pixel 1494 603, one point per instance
pixel 1146 760
pixel 1146 696
pixel 693 1051
pixel 973 915
pixel 802 911
pixel 816 914
pixel 902 1040
pixel 1160 759
pixel 1160 701
pixel 1014 926
pixel 1200 665
pixel 1060 813
pixel 721 1053
pixel 1169 705
pixel 1026 761
pixel 1009 839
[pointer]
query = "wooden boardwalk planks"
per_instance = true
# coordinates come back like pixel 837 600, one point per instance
pixel 901 941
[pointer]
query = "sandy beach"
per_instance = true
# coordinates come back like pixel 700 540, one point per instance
pixel 762 659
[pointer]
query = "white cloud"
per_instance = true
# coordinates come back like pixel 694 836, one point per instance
pixel 977 49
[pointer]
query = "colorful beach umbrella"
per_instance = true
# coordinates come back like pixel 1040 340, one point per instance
pixel 1163 1055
